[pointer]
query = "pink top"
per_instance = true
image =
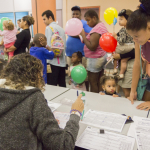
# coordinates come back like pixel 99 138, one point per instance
pixel 145 51
pixel 99 52
pixel 9 36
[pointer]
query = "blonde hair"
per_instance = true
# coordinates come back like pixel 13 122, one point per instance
pixel 8 24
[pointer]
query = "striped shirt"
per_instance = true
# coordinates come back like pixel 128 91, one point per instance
pixel 9 36
pixel 99 52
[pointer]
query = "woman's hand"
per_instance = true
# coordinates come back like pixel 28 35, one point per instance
pixel 133 96
pixel 5 50
pixel 145 106
pixel 83 34
pixel 78 104
pixel 43 41
pixel 116 56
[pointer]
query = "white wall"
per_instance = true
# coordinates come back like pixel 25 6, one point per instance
pixel 22 5
pixel 59 4
pixel 15 6
pixel 6 6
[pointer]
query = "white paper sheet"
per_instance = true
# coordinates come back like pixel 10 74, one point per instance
pixel 93 140
pixel 53 106
pixel 62 117
pixel 66 101
pixel 109 121
pixel 138 121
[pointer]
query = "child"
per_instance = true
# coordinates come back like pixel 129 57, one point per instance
pixel 76 60
pixel 125 42
pixel 109 85
pixel 9 39
pixel 40 52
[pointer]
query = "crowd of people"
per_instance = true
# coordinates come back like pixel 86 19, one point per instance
pixel 26 122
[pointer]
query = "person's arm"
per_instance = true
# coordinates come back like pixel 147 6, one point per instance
pixel 135 74
pixel 48 54
pixel 130 54
pixel 94 40
pixel 45 127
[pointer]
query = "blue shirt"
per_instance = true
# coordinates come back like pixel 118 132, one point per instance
pixel 75 44
pixel 42 54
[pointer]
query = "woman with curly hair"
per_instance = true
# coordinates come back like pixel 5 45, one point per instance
pixel 26 121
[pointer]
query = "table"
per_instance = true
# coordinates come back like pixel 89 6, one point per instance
pixel 103 103
pixel 52 92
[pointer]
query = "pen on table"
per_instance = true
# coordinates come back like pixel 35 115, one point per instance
pixel 77 94
pixel 148 113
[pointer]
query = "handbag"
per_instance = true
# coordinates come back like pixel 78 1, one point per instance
pixel 142 83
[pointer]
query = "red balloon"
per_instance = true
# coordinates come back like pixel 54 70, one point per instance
pixel 108 43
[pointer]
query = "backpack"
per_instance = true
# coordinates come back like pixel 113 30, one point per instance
pixel 57 43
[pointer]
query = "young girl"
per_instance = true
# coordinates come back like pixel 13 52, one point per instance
pixel 109 85
pixel 9 34
pixel 125 42
pixel 96 56
pixel 76 60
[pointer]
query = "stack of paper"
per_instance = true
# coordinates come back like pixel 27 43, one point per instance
pixel 53 106
pixel 63 118
pixel 93 140
pixel 140 130
pixel 105 120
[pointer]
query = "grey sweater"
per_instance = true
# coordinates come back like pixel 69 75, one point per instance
pixel 27 123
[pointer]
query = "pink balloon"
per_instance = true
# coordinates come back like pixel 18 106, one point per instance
pixel 74 27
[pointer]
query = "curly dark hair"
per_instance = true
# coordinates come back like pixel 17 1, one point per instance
pixel 139 18
pixel 106 78
pixel 91 13
pixel 23 70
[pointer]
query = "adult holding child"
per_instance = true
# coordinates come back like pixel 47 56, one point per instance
pixel 125 51
pixel 138 26
pixel 96 56
pixel 23 38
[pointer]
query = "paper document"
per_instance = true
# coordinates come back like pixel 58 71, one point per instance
pixel 62 117
pixel 53 106
pixel 105 120
pixel 93 140
pixel 66 101
pixel 140 129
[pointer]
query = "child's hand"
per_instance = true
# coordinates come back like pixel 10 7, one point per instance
pixel 70 82
pixel 114 95
pixel 114 35
pixel 43 42
pixel 101 93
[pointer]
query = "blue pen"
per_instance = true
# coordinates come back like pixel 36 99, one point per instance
pixel 77 94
